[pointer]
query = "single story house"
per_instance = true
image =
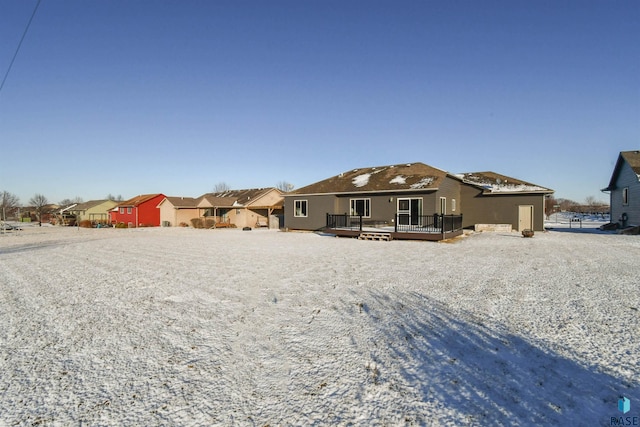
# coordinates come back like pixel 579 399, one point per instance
pixel 140 211
pixel 96 211
pixel 624 190
pixel 178 211
pixel 415 201
pixel 258 207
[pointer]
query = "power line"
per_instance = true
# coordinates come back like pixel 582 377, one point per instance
pixel 19 44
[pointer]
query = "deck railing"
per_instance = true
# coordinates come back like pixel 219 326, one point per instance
pixel 402 223
pixel 349 222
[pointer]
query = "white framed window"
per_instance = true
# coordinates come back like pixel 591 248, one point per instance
pixel 443 205
pixel 300 208
pixel 625 196
pixel 453 205
pixel 129 209
pixel 359 207
pixel 121 210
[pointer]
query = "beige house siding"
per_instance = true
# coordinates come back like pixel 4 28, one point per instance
pixel 98 212
pixel 258 210
pixel 172 215
pixel 240 216
pixel 249 212
pixel 167 213
pixel 272 198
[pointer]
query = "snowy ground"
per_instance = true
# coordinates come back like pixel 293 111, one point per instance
pixel 224 327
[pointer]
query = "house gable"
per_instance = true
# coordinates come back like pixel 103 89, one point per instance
pixel 624 188
pixel 629 158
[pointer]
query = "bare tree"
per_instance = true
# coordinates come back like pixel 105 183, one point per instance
pixel 117 198
pixel 590 203
pixel 285 186
pixel 39 202
pixel 67 202
pixel 551 205
pixel 8 203
pixel 221 187
pixel 567 205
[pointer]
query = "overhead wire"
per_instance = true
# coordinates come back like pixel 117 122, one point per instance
pixel 24 34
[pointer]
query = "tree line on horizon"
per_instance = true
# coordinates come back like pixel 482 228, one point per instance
pixel 590 205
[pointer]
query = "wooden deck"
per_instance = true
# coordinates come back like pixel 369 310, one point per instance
pixel 433 227
pixel 392 235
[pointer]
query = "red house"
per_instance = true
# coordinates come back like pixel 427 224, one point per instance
pixel 141 211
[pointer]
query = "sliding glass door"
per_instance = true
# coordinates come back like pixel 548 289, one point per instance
pixel 409 211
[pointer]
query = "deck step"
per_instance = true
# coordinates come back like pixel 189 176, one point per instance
pixel 374 236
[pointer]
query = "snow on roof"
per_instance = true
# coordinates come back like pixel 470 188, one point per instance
pixel 361 180
pixel 495 183
pixel 424 182
pixel 398 180
pixel 511 188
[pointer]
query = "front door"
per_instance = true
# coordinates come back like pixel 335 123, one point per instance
pixel 409 211
pixel 525 217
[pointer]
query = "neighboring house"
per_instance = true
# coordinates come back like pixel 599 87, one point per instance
pixel 96 211
pixel 140 211
pixel 624 190
pixel 259 207
pixel 176 211
pixel 415 198
pixel 30 213
pixel 64 216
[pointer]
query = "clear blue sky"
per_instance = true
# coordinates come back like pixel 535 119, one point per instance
pixel 133 97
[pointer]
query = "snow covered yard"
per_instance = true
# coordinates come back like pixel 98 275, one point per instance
pixel 224 327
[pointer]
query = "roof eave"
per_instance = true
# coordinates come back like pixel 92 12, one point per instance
pixel 511 193
pixel 342 193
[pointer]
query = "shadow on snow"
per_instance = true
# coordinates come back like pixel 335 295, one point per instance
pixel 487 375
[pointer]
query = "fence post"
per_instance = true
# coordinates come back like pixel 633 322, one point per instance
pixel 360 221
pixel 395 224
